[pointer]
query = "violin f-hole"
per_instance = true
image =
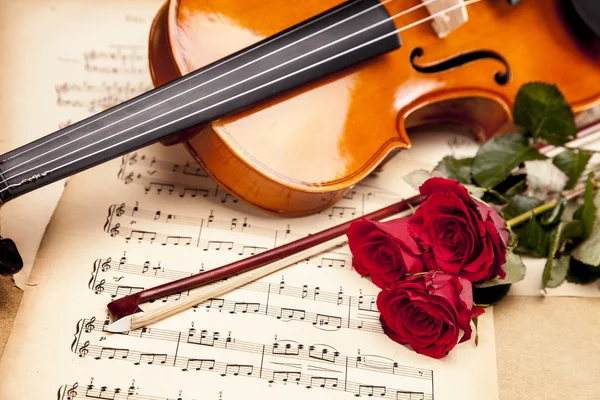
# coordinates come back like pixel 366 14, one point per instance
pixel 501 77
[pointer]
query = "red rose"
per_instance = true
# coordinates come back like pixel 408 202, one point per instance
pixel 384 250
pixel 428 312
pixel 459 235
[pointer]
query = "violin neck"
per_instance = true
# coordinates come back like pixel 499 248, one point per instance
pixel 350 33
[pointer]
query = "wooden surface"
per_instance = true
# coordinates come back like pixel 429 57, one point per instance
pixel 547 348
pixel 10 297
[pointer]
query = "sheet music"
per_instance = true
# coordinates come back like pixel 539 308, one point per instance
pixel 59 68
pixel 311 329
pixel 154 216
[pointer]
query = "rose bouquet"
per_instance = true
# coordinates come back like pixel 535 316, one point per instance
pixel 478 217
pixel 426 265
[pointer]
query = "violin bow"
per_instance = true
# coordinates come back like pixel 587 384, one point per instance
pixel 128 315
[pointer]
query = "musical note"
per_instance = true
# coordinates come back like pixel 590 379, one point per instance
pixel 245 307
pixel 193 192
pixel 112 353
pixel 342 212
pixel 251 250
pixel 332 263
pixel 151 358
pixel 178 240
pixel 289 314
pixel 327 322
pixel 281 361
pixel 127 290
pixel 159 187
pixel 141 235
pixel 204 339
pixel 403 395
pixel 285 376
pixel 227 197
pixel 215 303
pixel 287 347
pixel 367 303
pixel 199 363
pixel 322 382
pixel 195 170
pixel 370 390
pixel 218 245
pixel 237 369
pixel 323 352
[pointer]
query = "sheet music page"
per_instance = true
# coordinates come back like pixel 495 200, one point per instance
pixel 153 216
pixel 63 61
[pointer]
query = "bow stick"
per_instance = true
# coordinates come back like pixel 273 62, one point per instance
pixel 128 315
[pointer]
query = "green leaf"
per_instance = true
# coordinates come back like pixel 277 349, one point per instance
pixel 588 251
pixel 558 272
pixel 581 273
pixel 499 156
pixel 515 272
pixel 534 238
pixel 588 211
pixel 519 188
pixel 519 205
pixel 556 214
pixel 572 163
pixel 542 111
pixel 417 178
pixel 456 168
pixel 566 230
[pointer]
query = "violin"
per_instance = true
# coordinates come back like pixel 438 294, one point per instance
pixel 287 107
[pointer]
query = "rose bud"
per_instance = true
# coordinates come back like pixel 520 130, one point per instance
pixel 428 312
pixel 458 234
pixel 385 251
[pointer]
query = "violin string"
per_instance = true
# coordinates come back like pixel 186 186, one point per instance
pixel 187 78
pixel 202 98
pixel 411 25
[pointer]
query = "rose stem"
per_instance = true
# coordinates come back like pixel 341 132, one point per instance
pixel 518 220
pixel 570 195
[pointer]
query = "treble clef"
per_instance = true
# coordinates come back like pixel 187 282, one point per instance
pixel 114 231
pixel 83 351
pixel 129 178
pixel 90 325
pixel 71 393
pixel 106 265
pixel 99 288
pixel 121 210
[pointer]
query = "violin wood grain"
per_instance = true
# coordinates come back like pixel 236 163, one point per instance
pixel 300 152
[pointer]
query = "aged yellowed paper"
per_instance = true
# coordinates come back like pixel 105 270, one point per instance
pixel 64 60
pixel 153 216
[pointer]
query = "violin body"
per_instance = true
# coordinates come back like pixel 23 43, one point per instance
pixel 301 151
